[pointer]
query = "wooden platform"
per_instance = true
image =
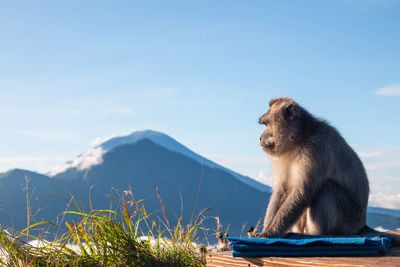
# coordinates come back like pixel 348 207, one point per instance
pixel 392 258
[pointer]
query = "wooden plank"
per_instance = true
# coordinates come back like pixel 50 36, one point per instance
pixel 226 259
pixel 223 259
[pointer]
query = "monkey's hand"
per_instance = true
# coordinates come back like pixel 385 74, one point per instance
pixel 262 235
pixel 266 234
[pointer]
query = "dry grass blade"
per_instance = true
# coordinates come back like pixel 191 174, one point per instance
pixel 162 207
pixel 201 214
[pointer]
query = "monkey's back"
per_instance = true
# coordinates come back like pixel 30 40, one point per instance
pixel 343 165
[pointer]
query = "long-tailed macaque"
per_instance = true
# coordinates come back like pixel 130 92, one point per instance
pixel 320 186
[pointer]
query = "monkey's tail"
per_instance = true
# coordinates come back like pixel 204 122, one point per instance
pixel 395 237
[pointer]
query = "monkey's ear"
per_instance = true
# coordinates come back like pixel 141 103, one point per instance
pixel 290 112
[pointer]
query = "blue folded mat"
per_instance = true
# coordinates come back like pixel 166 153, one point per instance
pixel 296 245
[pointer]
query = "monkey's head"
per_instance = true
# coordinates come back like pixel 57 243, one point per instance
pixel 286 124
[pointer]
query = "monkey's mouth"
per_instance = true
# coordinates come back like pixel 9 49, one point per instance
pixel 269 146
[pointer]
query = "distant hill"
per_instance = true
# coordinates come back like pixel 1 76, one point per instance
pixel 146 160
pixel 384 211
pixel 45 205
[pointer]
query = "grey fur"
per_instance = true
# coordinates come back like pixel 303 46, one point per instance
pixel 319 183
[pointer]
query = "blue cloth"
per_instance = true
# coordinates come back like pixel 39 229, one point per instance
pixel 295 245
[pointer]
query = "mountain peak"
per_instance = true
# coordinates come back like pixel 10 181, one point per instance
pixel 134 137
pixel 17 171
pixel 94 156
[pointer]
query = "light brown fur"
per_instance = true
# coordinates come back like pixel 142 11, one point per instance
pixel 320 185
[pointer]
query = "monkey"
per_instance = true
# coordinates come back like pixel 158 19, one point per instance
pixel 320 186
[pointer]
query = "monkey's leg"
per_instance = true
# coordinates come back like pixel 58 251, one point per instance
pixel 300 226
pixel 334 212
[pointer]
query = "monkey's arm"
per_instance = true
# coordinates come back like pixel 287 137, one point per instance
pixel 275 203
pixel 299 196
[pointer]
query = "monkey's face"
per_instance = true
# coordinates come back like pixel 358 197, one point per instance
pixel 281 126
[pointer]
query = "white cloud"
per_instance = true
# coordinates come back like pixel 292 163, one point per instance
pixel 51 136
pixel 385 200
pixel 391 90
pixel 383 169
pixel 381 229
pixel 264 177
pixel 91 157
pixel 379 158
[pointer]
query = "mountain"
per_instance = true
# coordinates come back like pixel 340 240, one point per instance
pixel 142 165
pixel 72 170
pixel 169 143
pixel 19 186
pixel 143 161
pixel 384 211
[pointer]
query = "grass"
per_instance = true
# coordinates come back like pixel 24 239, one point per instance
pixel 108 238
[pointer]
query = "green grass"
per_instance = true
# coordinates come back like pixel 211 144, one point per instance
pixel 108 238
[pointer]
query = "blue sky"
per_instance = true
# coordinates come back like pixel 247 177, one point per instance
pixel 73 72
